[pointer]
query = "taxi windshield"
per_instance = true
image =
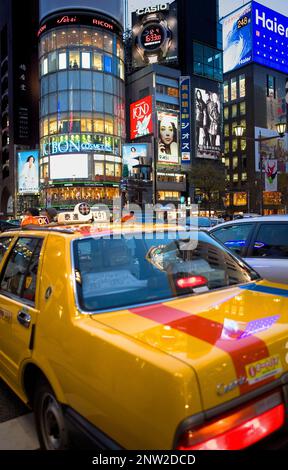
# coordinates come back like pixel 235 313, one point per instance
pixel 115 273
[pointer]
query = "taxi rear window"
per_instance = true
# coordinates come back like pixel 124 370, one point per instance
pixel 115 273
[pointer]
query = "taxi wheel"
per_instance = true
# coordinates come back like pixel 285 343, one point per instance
pixel 50 423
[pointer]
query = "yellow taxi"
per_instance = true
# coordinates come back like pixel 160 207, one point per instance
pixel 124 337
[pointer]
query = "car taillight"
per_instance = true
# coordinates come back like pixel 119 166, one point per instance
pixel 193 281
pixel 238 430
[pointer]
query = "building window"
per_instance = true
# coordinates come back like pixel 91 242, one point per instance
pixel 242 86
pixel 98 169
pixel 271 86
pixel 227 146
pixel 45 66
pixel 226 92
pixel 226 130
pixel 62 61
pixel 233 88
pixel 74 59
pixel 243 145
pixel 234 145
pixel 234 111
pixel 244 177
pixel 235 178
pixel 226 112
pixel 207 61
pixel 107 64
pixel 235 163
pixel 86 60
pixel 243 108
pixel 97 61
pixel 167 90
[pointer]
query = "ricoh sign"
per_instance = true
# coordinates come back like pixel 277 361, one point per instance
pixel 255 33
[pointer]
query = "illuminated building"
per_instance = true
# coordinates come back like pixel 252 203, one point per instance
pixel 82 109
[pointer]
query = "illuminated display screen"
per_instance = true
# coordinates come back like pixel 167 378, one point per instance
pixel 71 166
pixel 270 34
pixel 255 33
pixel 152 37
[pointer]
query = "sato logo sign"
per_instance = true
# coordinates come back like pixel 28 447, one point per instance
pixel 141 121
pixel 185 119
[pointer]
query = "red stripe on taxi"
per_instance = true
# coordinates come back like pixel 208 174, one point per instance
pixel 242 351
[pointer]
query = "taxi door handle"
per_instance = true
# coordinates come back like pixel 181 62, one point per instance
pixel 24 318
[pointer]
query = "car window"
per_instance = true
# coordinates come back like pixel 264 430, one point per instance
pixel 20 274
pixel 271 241
pixel 112 273
pixel 4 245
pixel 235 237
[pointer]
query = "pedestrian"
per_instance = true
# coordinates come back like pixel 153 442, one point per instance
pixel 30 217
pixel 51 214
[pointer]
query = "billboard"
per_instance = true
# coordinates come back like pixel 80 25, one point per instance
pixel 208 124
pixel 168 148
pixel 271 175
pixel 141 121
pixel 237 39
pixel 270 34
pixel 28 172
pixel 274 149
pixel 71 166
pixel 155 35
pixel 185 119
pixel 131 155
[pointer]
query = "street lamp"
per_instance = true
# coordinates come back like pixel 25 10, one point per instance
pixel 239 132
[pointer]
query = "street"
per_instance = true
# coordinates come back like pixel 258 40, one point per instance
pixel 17 430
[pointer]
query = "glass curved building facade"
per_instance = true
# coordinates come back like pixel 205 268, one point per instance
pixel 82 109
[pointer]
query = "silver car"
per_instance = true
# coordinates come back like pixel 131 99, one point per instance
pixel 261 241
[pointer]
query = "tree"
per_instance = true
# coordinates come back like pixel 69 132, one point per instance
pixel 209 177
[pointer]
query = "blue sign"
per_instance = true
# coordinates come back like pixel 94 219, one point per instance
pixel 185 120
pixel 237 39
pixel 270 34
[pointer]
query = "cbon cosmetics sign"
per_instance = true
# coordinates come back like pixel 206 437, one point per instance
pixel 141 120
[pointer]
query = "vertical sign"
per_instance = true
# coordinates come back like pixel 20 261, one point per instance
pixel 185 120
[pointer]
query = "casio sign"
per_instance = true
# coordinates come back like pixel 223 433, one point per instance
pixel 143 11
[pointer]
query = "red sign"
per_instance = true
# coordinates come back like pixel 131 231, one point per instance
pixel 141 120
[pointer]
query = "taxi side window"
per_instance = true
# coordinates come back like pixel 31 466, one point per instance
pixel 234 237
pixel 20 274
pixel 4 245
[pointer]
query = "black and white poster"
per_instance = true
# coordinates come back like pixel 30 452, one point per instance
pixel 208 124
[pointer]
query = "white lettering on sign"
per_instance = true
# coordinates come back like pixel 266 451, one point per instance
pixel 271 24
pixel 161 7
pixel 67 19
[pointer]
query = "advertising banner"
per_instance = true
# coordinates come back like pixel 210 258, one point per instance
pixel 208 124
pixel 168 148
pixel 270 31
pixel 185 119
pixel 28 172
pixel 141 119
pixel 237 39
pixel 271 175
pixel 155 35
pixel 71 166
pixel 274 149
pixel 132 153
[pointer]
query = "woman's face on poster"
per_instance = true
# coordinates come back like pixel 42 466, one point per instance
pixel 166 132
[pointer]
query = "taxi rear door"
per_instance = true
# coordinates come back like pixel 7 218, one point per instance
pixel 19 283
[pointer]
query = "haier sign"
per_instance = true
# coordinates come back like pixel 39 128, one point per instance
pixel 255 33
pixel 270 37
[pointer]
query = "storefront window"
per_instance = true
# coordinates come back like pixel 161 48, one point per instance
pixel 239 199
pixel 118 170
pixel 73 37
pixel 61 39
pixel 97 61
pixel 97 40
pixel 74 59
pixel 110 169
pixel 85 37
pixel 108 43
pixel 98 169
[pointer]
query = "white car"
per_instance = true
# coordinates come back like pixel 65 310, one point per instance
pixel 261 241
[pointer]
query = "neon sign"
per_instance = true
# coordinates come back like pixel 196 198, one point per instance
pixel 69 146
